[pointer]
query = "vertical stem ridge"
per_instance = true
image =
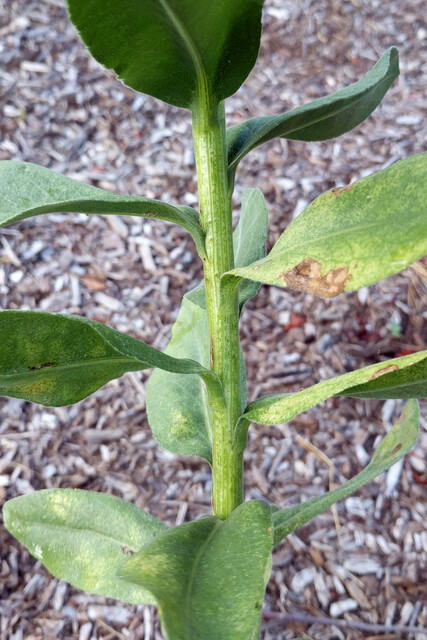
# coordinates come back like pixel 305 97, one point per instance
pixel 222 304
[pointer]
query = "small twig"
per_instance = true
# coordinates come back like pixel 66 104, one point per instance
pixel 322 457
pixel 113 632
pixel 361 626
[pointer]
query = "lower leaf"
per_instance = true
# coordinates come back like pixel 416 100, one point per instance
pixel 396 444
pixel 83 537
pixel 208 577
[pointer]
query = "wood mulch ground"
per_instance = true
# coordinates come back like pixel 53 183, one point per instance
pixel 60 109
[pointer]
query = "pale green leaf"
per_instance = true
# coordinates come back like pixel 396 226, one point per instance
pixel 208 577
pixel 175 50
pixel 55 360
pixel 396 444
pixel 178 406
pixel 321 119
pixel 249 243
pixel 250 238
pixel 27 190
pixel 83 537
pixel 181 419
pixel 352 236
pixel 404 377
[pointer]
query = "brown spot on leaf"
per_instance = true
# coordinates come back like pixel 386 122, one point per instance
pixel 127 551
pixel 339 190
pixel 396 449
pixel 211 352
pixel 382 372
pixel 45 365
pixel 307 276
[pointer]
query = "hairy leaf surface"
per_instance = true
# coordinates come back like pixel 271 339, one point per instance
pixel 201 568
pixel 56 360
pixel 352 236
pixel 396 444
pixel 321 119
pixel 27 190
pixel 175 50
pixel 83 537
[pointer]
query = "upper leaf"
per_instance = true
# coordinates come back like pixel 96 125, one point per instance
pixel 404 377
pixel 321 119
pixel 56 360
pixel 397 443
pixel 208 577
pixel 352 236
pixel 83 537
pixel 174 50
pixel 27 190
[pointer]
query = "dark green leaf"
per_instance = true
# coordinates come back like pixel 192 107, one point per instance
pixel 56 360
pixel 404 377
pixel 321 119
pixel 174 50
pixel 208 577
pixel 397 443
pixel 83 537
pixel 27 190
pixel 352 236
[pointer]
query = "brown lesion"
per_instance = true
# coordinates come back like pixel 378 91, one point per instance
pixel 339 190
pixel 45 365
pixel 307 276
pixel 127 551
pixel 383 371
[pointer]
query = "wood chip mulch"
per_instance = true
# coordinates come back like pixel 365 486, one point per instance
pixel 360 572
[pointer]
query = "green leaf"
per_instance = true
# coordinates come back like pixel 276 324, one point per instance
pixel 56 360
pixel 250 238
pixel 321 119
pixel 352 236
pixel 83 537
pixel 397 443
pixel 181 422
pixel 175 50
pixel 178 407
pixel 249 243
pixel 27 190
pixel 208 577
pixel 404 377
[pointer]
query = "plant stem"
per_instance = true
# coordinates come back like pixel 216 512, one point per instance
pixel 222 304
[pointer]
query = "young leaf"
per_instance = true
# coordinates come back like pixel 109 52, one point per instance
pixel 175 50
pixel 201 568
pixel 56 360
pixel 83 537
pixel 404 377
pixel 321 119
pixel 352 236
pixel 397 443
pixel 27 190
pixel 181 422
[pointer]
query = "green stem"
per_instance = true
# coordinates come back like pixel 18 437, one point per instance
pixel 222 303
